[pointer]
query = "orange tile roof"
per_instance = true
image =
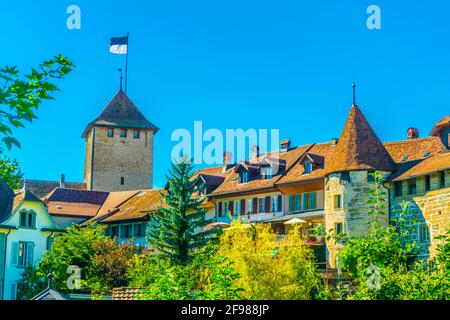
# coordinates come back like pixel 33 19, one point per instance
pixel 232 184
pixel 414 149
pixel 73 209
pixel 440 125
pixel 436 163
pixel 359 147
pixel 138 207
pixel 296 172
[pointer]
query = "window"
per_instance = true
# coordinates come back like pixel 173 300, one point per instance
pixel 306 204
pixel 250 206
pixel 424 232
pixel 338 228
pixel 238 207
pixel 427 183
pixel 219 210
pixel 261 203
pixel 308 166
pixel 338 201
pixel 398 189
pixel 442 180
pixel 139 229
pixel 244 176
pixel 268 173
pixel 110 133
pixel 114 231
pixel 274 204
pixel 370 177
pixel 313 200
pixel 122 181
pixel 126 231
pixel 136 134
pixel 23 253
pixel 242 206
pixel 27 219
pixel 412 188
pixel 201 188
pixel 123 133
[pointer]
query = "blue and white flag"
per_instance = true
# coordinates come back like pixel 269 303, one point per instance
pixel 119 45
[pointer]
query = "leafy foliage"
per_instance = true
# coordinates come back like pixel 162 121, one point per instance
pixel 178 230
pixel 10 173
pixel 20 96
pixel 269 268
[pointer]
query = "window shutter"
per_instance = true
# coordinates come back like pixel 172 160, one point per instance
pixel 313 203
pixel 291 203
pixel 30 253
pixel 243 210
pixel 255 205
pixel 219 209
pixel 231 207
pixel 280 203
pixel 267 204
pixel 298 202
pixel 15 253
pixel 305 201
pixel 14 291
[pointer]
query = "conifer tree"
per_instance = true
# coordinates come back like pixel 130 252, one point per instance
pixel 177 230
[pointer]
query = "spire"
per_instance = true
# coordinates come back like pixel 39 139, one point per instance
pixel 359 147
pixel 121 78
pixel 354 93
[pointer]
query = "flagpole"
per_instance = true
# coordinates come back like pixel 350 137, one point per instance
pixel 126 61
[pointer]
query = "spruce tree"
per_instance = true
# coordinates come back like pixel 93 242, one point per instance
pixel 177 229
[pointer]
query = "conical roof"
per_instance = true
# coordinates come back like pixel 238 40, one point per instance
pixel 121 112
pixel 359 147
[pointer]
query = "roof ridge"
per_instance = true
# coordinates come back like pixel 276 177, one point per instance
pixel 411 140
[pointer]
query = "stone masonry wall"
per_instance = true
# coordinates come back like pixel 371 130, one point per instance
pixel 353 213
pixel 116 157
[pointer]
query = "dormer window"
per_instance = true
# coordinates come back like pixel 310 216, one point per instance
pixel 201 188
pixel 123 133
pixel 244 176
pixel 110 133
pixel 136 134
pixel 27 220
pixel 308 166
pixel 268 173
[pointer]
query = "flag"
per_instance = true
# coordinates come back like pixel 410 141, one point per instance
pixel 119 45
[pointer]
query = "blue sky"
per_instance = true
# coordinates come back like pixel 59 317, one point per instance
pixel 231 64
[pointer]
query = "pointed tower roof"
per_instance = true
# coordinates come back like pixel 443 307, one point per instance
pixel 121 112
pixel 359 147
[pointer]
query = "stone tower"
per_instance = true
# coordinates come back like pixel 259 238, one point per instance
pixel 119 148
pixel 358 152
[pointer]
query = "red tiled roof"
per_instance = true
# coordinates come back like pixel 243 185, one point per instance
pixel 440 125
pixel 359 147
pixel 434 164
pixel 121 112
pixel 414 149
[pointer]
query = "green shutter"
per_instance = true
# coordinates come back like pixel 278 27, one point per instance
pixel 15 253
pixel 291 203
pixel 313 203
pixel 30 253
pixel 298 202
pixel 2 259
pixel 305 201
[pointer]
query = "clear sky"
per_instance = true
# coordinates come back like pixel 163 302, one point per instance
pixel 232 64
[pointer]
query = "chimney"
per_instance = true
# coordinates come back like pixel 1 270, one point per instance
pixel 254 153
pixel 285 145
pixel 227 160
pixel 334 141
pixel 413 133
pixel 62 181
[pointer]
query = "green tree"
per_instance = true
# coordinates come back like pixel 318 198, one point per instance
pixel 20 96
pixel 178 230
pixel 10 173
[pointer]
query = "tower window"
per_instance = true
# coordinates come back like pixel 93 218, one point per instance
pixel 442 180
pixel 398 191
pixel 123 133
pixel 427 183
pixel 136 134
pixel 412 188
pixel 337 201
pixel 338 228
pixel 122 181
pixel 308 166
pixel 110 133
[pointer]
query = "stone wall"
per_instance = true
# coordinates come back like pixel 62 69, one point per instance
pixel 431 208
pixel 116 157
pixel 354 210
